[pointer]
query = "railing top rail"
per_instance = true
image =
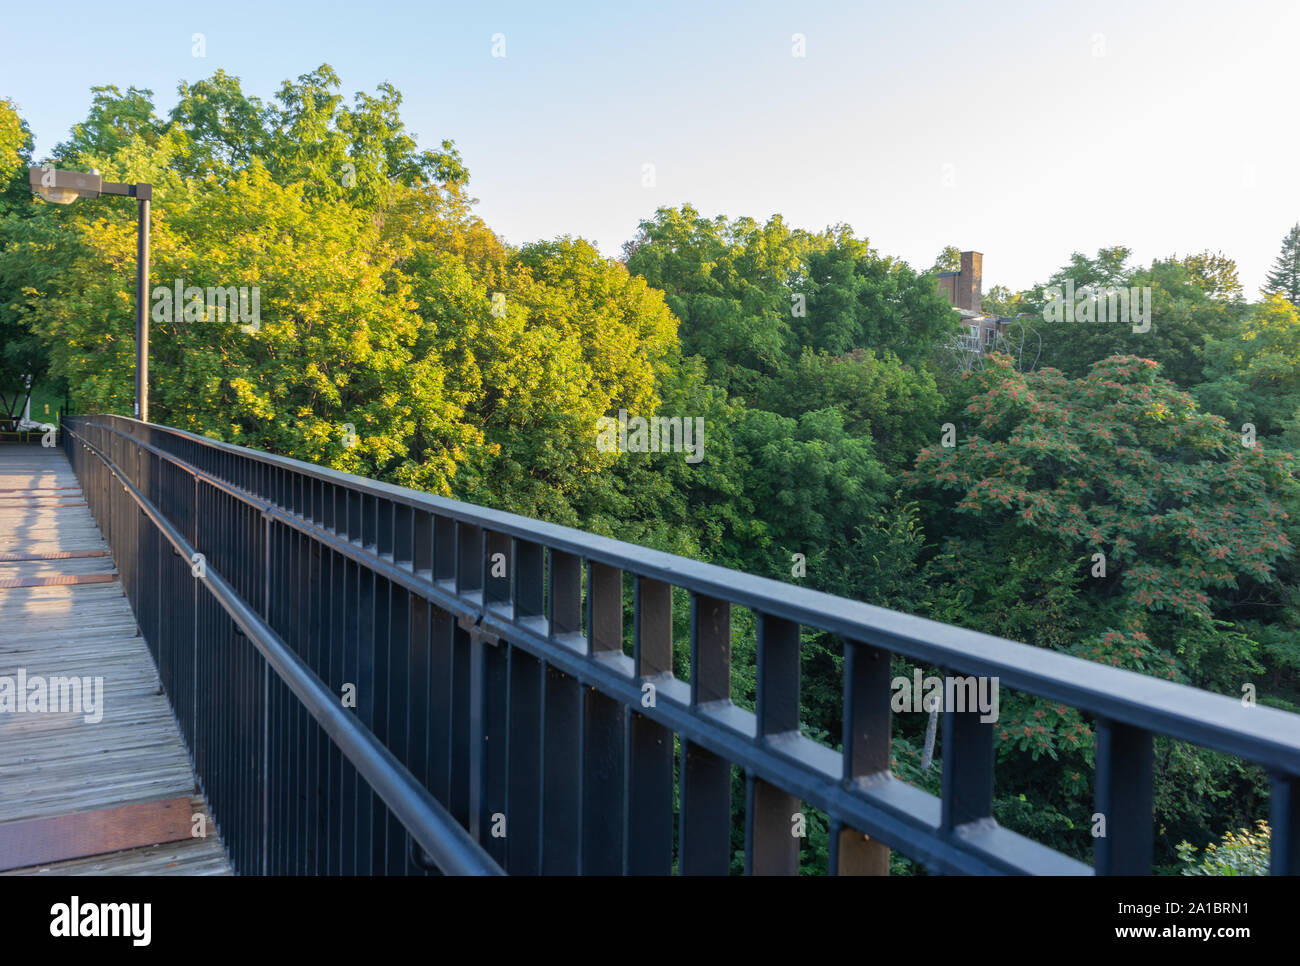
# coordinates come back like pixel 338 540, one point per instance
pixel 1268 736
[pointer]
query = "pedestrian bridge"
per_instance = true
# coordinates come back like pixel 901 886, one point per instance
pixel 307 672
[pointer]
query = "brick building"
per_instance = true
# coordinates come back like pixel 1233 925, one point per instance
pixel 964 289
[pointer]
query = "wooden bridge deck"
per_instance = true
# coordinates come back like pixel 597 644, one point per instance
pixel 62 612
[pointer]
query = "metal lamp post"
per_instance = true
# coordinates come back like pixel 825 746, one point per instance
pixel 65 187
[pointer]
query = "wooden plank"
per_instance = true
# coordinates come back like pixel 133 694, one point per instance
pixel 56 580
pixel 61 837
pixel 35 505
pixel 35 489
pixel 56 555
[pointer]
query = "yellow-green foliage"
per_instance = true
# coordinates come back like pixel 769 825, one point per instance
pixel 1242 852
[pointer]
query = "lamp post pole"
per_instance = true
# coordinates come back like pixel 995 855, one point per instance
pixel 144 195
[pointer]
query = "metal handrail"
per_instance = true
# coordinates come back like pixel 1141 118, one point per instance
pixel 302 498
pixel 445 842
pixel 1265 735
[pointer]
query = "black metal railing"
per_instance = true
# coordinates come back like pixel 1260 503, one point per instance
pixel 374 679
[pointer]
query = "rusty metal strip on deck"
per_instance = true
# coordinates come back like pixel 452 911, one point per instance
pixel 40 841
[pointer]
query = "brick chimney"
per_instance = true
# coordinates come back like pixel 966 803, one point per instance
pixel 970 282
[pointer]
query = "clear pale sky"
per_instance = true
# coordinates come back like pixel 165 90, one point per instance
pixel 1025 130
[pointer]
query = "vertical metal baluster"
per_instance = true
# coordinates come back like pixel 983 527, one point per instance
pixel 467 687
pixel 268 564
pixel 367 705
pixel 400 656
pixel 524 713
pixel 419 727
pixel 498 571
pixel 349 780
pixel 524 778
pixel 383 707
pixel 561 774
pixel 317 644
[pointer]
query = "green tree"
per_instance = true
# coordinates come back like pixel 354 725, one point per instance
pixel 224 129
pixel 1186 308
pixel 1123 464
pixel 1253 376
pixel 730 285
pixel 751 297
pixel 1284 278
pixel 876 395
pixel 574 337
pixel 328 370
pixel 948 260
pixel 15 143
pixel 1109 518
pixel 1215 274
pixel 1000 300
pixel 24 358
pixel 859 299
pixel 350 152
pixel 115 119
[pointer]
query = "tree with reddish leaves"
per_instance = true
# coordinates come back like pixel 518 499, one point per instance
pixel 1106 517
pixel 1184 511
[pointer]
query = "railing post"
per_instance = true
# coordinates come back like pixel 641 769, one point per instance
pixel 648 828
pixel 524 711
pixel 967 768
pixel 603 773
pixel 772 816
pixel 1284 825
pixel 1125 763
pixel 866 753
pixel 562 706
pixel 706 777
